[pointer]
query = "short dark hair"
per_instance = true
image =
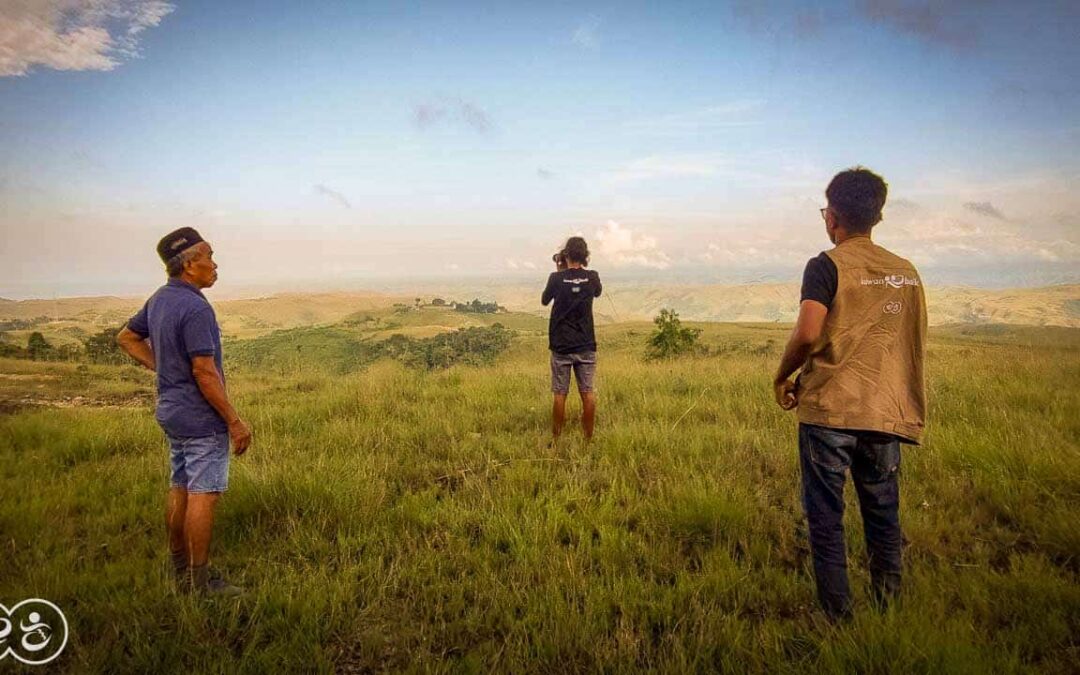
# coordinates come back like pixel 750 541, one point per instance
pixel 577 250
pixel 857 195
pixel 174 266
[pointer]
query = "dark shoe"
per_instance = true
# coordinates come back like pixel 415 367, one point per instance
pixel 206 580
pixel 178 570
pixel 884 588
pixel 180 577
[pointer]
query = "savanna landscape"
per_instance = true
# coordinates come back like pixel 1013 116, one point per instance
pixel 401 508
pixel 412 220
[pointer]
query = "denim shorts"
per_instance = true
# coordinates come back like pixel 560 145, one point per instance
pixel 582 363
pixel 200 464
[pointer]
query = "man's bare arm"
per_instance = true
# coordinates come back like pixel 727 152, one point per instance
pixel 807 331
pixel 136 346
pixel 212 386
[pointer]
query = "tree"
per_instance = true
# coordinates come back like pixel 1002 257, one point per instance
pixel 38 347
pixel 670 338
pixel 477 307
pixel 438 302
pixel 102 347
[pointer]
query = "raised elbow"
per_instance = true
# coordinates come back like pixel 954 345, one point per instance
pixel 806 337
pixel 126 338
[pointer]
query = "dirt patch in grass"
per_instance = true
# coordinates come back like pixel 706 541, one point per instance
pixel 12 406
pixel 27 377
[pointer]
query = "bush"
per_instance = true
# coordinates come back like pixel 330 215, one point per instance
pixel 13 351
pixel 478 345
pixel 670 339
pixel 38 347
pixel 102 347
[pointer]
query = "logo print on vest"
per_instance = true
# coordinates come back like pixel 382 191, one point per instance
pixel 890 280
pixel 892 307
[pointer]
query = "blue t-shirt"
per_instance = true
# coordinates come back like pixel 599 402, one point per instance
pixel 181 324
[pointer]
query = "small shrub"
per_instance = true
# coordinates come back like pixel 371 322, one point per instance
pixel 670 339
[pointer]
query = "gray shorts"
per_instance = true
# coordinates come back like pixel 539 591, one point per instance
pixel 201 464
pixel 583 365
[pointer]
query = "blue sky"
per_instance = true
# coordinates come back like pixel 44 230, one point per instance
pixel 350 142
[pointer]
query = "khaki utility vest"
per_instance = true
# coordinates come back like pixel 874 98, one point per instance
pixel 866 370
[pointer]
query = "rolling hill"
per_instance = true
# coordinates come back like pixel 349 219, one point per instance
pixel 68 320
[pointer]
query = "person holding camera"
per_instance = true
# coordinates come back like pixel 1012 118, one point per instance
pixel 571 336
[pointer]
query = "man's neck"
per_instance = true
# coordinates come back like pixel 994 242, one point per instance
pixel 189 281
pixel 575 266
pixel 842 236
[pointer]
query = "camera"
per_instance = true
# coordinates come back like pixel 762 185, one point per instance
pixel 559 259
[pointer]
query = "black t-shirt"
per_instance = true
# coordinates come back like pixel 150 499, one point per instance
pixel 570 329
pixel 819 280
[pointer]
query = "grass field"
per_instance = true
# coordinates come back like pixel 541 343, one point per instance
pixel 389 518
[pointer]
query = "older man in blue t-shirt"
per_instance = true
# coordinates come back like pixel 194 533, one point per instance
pixel 176 335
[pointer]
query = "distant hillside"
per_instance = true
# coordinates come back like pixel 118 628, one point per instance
pixel 1048 306
pixel 73 318
pixel 239 318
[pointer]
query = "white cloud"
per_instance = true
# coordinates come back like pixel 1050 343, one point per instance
pixel 662 166
pixel 73 34
pixel 738 113
pixel 620 246
pixel 947 236
pixel 585 34
pixel 759 251
pixel 785 173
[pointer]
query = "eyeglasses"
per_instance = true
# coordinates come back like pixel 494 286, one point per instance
pixel 823 211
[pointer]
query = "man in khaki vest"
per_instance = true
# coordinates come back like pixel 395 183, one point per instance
pixel 859 341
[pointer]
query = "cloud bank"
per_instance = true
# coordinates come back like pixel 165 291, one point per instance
pixel 622 247
pixel 73 34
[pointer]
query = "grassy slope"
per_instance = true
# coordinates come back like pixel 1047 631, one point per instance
pixel 392 518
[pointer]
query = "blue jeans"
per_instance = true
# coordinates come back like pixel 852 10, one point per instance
pixel 874 460
pixel 200 464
